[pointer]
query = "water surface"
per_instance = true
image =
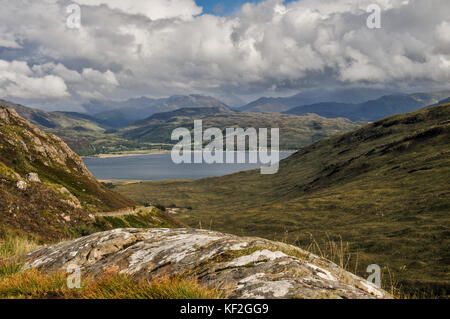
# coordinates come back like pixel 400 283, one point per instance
pixel 158 167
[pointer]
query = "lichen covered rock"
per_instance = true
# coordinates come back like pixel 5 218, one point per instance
pixel 33 177
pixel 21 185
pixel 242 267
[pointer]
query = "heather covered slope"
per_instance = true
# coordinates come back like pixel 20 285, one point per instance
pixel 61 193
pixel 383 188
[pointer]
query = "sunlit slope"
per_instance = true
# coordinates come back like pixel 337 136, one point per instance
pixel 383 188
pixel 60 192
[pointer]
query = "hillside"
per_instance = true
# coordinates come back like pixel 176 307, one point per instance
pixel 295 131
pixel 120 114
pixel 55 120
pixel 374 109
pixel 44 186
pixel 84 134
pixel 383 188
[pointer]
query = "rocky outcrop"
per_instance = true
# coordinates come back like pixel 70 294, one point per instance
pixel 242 267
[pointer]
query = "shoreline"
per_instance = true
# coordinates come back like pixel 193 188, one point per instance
pixel 150 152
pixel 127 154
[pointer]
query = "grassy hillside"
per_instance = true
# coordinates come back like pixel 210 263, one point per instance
pixel 383 188
pixel 295 131
pixel 64 192
pixel 85 135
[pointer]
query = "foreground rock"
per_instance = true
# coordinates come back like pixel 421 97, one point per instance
pixel 242 267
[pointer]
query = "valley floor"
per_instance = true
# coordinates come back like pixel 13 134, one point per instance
pixel 382 189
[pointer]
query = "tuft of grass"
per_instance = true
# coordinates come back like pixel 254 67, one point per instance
pixel 337 251
pixel 12 245
pixel 34 284
pixel 124 287
pixel 8 268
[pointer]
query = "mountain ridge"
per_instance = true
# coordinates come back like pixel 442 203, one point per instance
pixel 372 110
pixel 295 131
pixel 120 114
pixel 346 98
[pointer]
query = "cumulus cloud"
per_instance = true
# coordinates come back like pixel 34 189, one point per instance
pixel 162 47
pixel 18 80
pixel 88 83
pixel 154 9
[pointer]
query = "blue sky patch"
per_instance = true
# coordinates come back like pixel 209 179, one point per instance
pixel 224 7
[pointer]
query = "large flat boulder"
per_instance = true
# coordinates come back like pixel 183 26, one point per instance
pixel 242 267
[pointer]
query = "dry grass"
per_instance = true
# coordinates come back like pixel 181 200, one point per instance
pixel 16 283
pixel 12 245
pixel 33 284
pixel 340 253
pixel 337 251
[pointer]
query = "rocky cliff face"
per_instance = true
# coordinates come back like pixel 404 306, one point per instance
pixel 44 186
pixel 240 267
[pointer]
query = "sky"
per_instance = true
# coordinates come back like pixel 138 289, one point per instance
pixel 236 52
pixel 221 7
pixel 225 7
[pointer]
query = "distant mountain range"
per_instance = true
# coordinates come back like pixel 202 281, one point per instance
pixel 144 123
pixel 295 131
pixel 282 104
pixel 120 114
pixel 374 109
pixel 87 135
pixel 351 106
